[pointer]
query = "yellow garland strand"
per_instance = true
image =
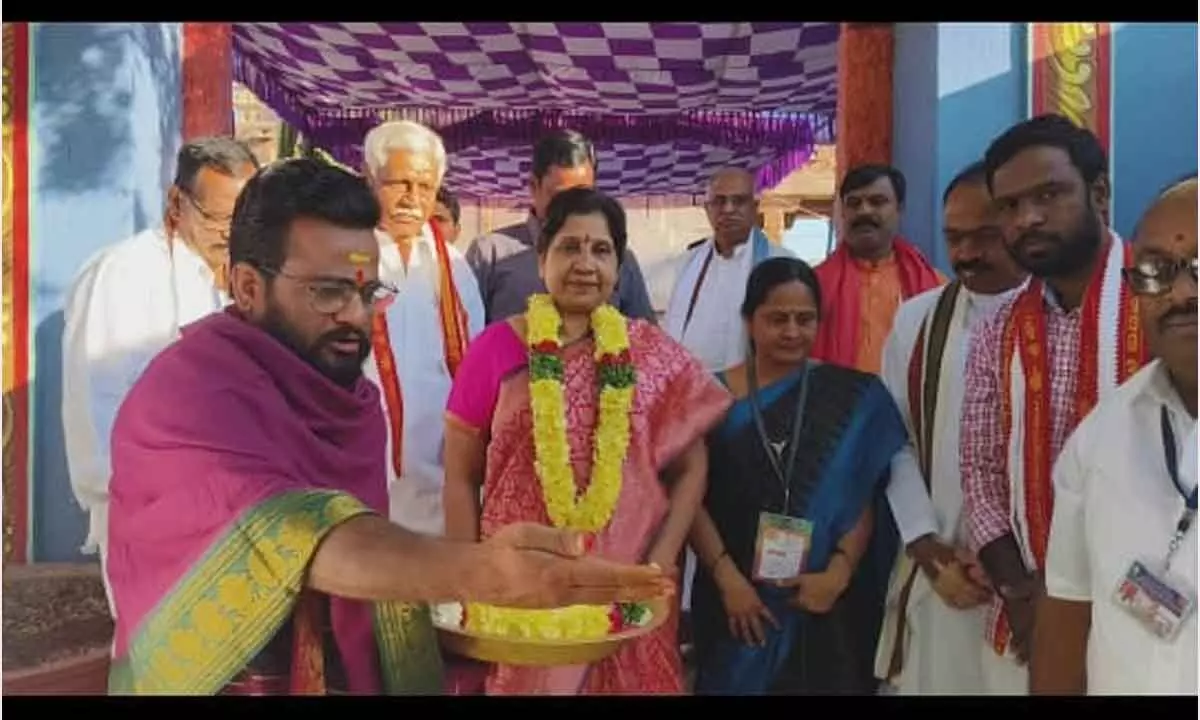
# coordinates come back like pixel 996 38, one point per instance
pixel 592 511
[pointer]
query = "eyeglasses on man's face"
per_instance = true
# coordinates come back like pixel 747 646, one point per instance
pixel 330 296
pixel 1157 276
pixel 208 220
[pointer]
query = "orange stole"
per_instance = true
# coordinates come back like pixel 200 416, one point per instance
pixel 1025 332
pixel 454 342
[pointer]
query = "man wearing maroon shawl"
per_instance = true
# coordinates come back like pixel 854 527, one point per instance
pixel 250 551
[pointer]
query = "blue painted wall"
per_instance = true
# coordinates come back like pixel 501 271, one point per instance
pixel 1154 128
pixel 914 129
pixel 958 85
pixel 106 120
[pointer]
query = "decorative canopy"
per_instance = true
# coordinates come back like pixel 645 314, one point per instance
pixel 664 103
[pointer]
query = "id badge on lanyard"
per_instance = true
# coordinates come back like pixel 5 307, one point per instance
pixel 1160 602
pixel 782 543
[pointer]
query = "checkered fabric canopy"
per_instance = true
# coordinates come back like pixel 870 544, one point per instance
pixel 664 103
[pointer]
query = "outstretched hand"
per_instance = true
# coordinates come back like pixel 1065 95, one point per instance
pixel 534 566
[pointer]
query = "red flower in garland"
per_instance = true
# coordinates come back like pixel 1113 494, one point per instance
pixel 546 347
pixel 616 620
pixel 614 360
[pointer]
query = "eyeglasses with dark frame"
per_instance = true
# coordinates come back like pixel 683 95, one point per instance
pixel 208 221
pixel 330 296
pixel 1157 277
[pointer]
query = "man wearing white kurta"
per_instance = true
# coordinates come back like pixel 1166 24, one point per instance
pixel 704 313
pixel 933 605
pixel 405 163
pixel 1125 493
pixel 128 302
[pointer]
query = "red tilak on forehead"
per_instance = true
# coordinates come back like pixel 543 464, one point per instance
pixel 359 276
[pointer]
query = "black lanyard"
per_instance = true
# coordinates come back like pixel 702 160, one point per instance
pixel 784 474
pixel 1171 453
pixel 691 308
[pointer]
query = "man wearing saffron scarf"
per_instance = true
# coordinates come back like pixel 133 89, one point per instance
pixel 1043 361
pixel 871 272
pixel 249 547
pixel 421 338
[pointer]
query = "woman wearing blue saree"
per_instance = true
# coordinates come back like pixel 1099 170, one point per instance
pixel 802 457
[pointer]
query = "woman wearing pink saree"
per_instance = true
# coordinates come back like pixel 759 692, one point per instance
pixel 490 437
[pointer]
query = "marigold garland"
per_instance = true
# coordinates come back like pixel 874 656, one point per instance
pixel 616 377
pixel 593 510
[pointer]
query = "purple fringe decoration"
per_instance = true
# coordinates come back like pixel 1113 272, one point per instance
pixel 792 137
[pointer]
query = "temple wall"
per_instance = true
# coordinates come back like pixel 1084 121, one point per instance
pixel 957 85
pixel 1154 127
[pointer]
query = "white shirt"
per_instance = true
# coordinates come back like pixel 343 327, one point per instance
pixel 415 329
pixel 1113 504
pixel 943 648
pixel 716 333
pixel 915 512
pixel 127 304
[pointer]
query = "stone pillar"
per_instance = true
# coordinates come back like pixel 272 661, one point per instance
pixel 16 297
pixel 773 224
pixel 207 79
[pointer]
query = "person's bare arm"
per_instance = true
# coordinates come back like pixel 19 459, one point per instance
pixel 986 500
pixel 817 592
pixel 706 541
pixel 1063 619
pixel 687 477
pixel 524 565
pixel 853 544
pixel 1060 637
pixel 465 456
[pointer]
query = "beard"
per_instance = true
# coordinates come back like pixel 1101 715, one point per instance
pixel 1060 255
pixel 345 370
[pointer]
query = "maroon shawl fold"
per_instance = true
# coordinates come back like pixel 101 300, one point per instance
pixel 221 421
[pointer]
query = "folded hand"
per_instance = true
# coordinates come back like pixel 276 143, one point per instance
pixel 956 588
